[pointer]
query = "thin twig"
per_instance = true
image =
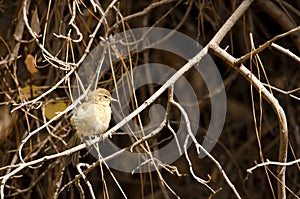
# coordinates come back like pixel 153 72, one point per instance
pixel 264 46
pixel 202 149
pixel 286 52
pixel 283 148
pixel 268 162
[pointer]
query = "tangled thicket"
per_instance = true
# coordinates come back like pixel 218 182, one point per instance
pixel 44 43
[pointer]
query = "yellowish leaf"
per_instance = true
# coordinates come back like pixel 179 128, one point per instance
pixel 53 108
pixel 29 92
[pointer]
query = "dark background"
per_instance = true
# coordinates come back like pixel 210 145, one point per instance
pixel 237 149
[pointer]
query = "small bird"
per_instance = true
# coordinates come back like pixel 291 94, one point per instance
pixel 92 117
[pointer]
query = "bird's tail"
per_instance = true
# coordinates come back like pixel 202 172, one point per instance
pixel 74 158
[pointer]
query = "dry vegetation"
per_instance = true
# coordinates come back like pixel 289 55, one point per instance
pixel 44 43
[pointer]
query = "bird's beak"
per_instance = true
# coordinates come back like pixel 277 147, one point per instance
pixel 113 99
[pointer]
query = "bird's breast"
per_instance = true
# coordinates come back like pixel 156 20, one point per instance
pixel 92 119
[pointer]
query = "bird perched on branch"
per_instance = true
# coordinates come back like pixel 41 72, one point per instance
pixel 92 117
